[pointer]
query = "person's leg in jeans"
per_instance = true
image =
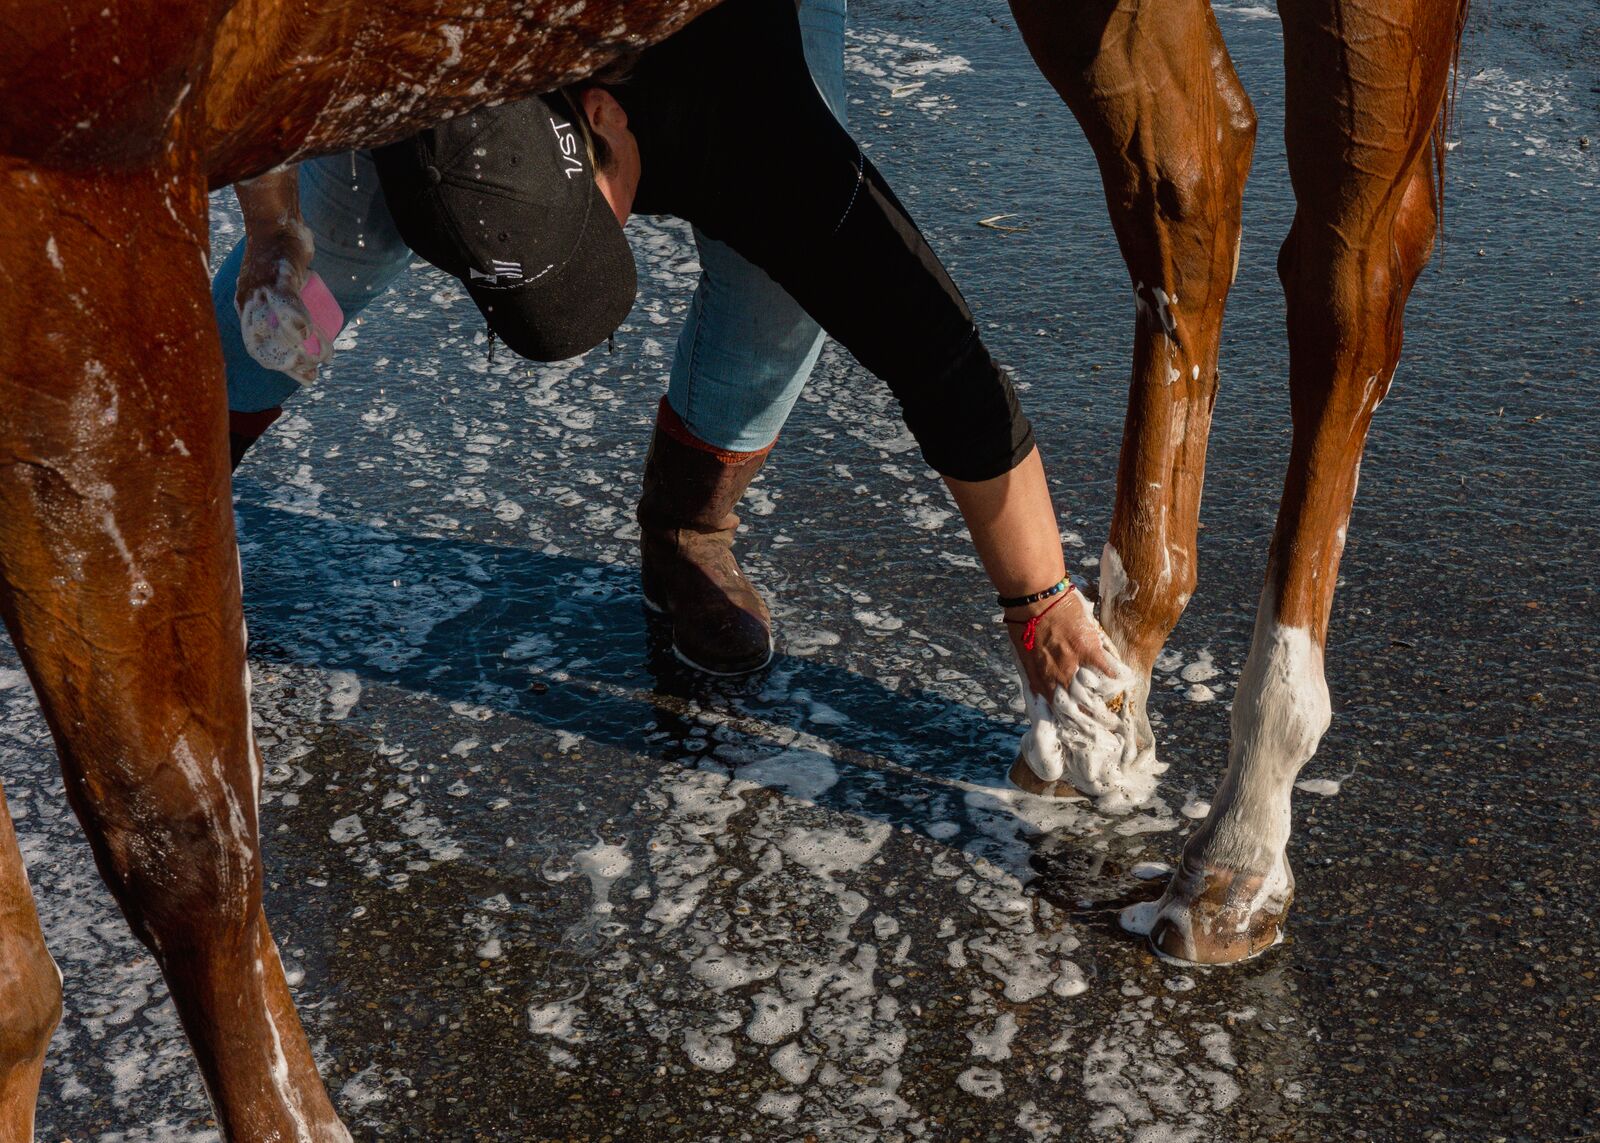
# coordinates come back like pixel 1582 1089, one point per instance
pixel 744 354
pixel 358 253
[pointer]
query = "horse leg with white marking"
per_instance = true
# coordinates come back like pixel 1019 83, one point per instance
pixel 1365 96
pixel 119 584
pixel 1173 131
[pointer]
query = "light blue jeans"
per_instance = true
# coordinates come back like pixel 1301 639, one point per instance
pixel 746 347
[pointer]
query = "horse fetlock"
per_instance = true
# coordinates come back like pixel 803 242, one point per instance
pixel 1085 739
pixel 275 326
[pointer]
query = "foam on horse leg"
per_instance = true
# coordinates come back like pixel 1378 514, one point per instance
pixel 1229 898
pixel 1084 740
pixel 288 330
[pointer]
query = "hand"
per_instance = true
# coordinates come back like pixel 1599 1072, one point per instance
pixel 1065 638
pixel 1076 690
pixel 273 320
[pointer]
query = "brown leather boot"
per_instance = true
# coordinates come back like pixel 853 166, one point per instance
pixel 720 625
pixel 244 429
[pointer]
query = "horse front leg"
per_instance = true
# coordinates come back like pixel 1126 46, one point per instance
pixel 1366 83
pixel 119 584
pixel 1173 131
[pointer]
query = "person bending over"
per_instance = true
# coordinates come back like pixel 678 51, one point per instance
pixel 744 352
pixel 722 126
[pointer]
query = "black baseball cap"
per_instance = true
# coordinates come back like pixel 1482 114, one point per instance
pixel 504 198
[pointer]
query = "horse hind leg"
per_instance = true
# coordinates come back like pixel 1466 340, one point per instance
pixel 1173 131
pixel 30 991
pixel 1363 96
pixel 119 584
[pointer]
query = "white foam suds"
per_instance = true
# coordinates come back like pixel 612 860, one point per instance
pixel 346 829
pixel 905 69
pixel 603 865
pixel 1087 733
pixel 344 691
pixel 558 1019
pixel 985 1083
pixel 996 1043
pixel 708 1052
pixel 793 1064
pixel 800 773
pixel 779 1105
pixel 1138 919
pixel 1327 787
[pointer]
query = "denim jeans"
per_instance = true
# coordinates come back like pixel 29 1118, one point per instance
pixel 746 347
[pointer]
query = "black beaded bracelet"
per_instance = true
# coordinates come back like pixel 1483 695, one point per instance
pixel 1024 600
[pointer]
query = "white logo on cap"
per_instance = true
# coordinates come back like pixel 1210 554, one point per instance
pixel 567 140
pixel 509 270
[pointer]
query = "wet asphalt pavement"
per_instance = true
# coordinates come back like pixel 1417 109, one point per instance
pixel 533 880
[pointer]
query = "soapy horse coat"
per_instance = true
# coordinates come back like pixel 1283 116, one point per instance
pixel 119 571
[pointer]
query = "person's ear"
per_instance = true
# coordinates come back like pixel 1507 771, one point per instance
pixel 606 116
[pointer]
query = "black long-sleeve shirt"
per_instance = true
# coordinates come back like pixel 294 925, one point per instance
pixel 734 138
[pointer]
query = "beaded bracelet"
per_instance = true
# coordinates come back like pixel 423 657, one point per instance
pixel 1024 600
pixel 1030 627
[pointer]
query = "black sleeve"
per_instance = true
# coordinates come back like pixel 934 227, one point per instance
pixel 791 192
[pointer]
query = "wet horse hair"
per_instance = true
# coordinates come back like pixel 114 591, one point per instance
pixel 119 572
pixel 1366 113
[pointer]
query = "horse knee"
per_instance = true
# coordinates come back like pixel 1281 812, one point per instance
pixel 180 853
pixel 30 999
pixel 1416 224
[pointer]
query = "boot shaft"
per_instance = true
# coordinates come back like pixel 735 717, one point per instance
pixel 690 486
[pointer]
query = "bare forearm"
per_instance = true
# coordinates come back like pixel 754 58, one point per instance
pixel 1013 526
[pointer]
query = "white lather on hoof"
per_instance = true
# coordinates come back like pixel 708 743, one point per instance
pixel 1086 737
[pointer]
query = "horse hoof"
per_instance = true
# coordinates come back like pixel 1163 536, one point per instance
pixel 1024 779
pixel 1220 916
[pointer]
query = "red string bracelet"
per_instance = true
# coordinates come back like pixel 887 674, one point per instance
pixel 1030 626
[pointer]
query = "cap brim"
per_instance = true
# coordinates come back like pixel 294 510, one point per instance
pixel 572 309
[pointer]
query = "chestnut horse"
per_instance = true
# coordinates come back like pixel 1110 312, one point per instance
pixel 1151 84
pixel 118 561
pixel 119 578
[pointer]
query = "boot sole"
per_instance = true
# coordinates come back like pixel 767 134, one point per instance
pixel 656 609
pixel 688 662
